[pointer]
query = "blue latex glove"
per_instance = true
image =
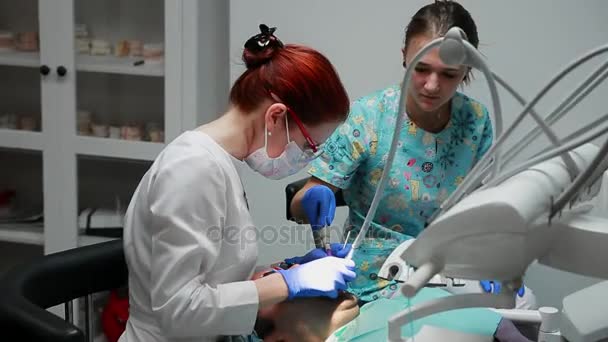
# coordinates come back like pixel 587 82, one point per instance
pixel 494 286
pixel 318 253
pixel 319 278
pixel 319 204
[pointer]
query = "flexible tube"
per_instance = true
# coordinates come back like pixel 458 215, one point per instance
pixel 562 109
pixel 581 131
pixel 577 134
pixel 391 154
pixel 572 168
pixel 574 188
pixel 480 64
pixel 473 176
pixel 547 155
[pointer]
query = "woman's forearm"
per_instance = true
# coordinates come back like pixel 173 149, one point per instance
pixel 272 289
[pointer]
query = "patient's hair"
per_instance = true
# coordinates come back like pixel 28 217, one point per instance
pixel 301 77
pixel 437 18
pixel 263 327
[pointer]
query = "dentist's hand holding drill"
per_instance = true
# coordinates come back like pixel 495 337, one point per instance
pixel 322 271
pixel 319 206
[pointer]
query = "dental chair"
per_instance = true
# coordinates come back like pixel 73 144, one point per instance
pixel 527 326
pixel 29 289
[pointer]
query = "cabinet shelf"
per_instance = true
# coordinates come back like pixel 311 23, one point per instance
pixel 103 64
pixel 20 58
pixel 116 148
pixel 22 233
pixel 117 65
pixel 28 140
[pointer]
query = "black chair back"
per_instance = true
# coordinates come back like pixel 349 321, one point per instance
pixel 29 289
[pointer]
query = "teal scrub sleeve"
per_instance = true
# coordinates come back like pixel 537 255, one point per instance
pixel 347 148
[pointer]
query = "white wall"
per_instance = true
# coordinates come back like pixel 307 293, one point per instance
pixel 213 31
pixel 524 41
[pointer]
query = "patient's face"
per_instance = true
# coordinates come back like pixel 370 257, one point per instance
pixel 308 319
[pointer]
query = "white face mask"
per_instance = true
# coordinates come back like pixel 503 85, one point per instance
pixel 292 160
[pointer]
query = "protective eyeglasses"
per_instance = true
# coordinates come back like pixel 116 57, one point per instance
pixel 311 149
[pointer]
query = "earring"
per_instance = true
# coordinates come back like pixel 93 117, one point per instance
pixel 269 133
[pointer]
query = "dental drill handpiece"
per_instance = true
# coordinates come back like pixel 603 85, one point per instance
pixel 322 238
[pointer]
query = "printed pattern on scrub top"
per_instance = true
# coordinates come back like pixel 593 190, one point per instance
pixel 427 167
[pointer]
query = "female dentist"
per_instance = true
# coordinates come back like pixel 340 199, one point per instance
pixel 186 227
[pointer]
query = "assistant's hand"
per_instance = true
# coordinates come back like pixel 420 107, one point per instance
pixel 319 278
pixel 319 204
pixel 318 253
pixel 494 286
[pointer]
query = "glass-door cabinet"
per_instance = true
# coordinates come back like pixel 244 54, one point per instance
pixel 90 93
pixel 21 131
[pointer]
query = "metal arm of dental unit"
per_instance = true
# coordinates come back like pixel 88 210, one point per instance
pixel 498 222
pixel 495 233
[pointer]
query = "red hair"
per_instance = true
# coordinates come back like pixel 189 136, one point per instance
pixel 301 77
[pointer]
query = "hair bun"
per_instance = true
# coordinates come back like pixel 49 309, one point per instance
pixel 260 48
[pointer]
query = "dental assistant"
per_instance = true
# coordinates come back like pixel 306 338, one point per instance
pixel 187 257
pixel 446 132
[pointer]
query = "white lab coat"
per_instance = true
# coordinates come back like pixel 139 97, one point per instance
pixel 190 247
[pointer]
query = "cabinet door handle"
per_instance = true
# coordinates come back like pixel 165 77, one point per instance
pixel 44 70
pixel 61 71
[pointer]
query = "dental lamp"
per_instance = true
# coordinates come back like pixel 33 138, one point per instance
pixel 498 222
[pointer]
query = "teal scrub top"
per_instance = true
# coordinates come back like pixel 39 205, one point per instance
pixel 426 169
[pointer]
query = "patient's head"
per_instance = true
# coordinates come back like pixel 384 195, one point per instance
pixel 309 319
pixel 305 319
